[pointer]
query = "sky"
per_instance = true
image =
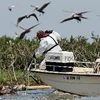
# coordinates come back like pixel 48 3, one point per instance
pixel 54 14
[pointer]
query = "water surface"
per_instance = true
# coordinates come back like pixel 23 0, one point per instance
pixel 46 94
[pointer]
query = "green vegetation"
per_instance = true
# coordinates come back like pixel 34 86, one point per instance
pixel 16 55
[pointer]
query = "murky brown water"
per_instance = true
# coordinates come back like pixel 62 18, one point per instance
pixel 47 94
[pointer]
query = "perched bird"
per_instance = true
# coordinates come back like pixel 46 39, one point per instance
pixel 26 31
pixel 26 16
pixel 41 8
pixel 16 35
pixel 11 7
pixel 77 16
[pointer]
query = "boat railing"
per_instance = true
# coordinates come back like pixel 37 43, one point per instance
pixel 69 66
pixel 94 65
pixel 33 65
pixel 85 64
pixel 75 63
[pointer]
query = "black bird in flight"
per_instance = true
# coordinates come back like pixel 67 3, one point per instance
pixel 26 31
pixel 11 7
pixel 26 16
pixel 40 9
pixel 77 16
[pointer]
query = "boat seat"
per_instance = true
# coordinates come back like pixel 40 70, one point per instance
pixel 83 70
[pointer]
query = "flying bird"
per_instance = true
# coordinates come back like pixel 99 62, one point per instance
pixel 26 16
pixel 11 7
pixel 40 9
pixel 26 31
pixel 76 12
pixel 77 16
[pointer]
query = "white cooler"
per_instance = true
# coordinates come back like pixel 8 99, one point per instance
pixel 59 60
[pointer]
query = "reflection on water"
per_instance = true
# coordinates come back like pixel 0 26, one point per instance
pixel 47 94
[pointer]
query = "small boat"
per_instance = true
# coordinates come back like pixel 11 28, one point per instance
pixel 63 73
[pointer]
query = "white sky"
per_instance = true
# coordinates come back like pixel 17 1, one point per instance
pixel 53 15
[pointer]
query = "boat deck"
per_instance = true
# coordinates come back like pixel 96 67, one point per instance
pixel 76 71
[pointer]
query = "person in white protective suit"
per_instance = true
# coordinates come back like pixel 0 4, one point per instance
pixel 48 42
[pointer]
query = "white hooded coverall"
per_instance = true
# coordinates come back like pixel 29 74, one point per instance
pixel 46 43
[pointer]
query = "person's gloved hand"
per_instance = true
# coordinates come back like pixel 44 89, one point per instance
pixel 34 55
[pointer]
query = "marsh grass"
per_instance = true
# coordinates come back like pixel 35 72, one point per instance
pixel 22 78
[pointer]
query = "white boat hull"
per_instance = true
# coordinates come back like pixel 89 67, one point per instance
pixel 87 84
